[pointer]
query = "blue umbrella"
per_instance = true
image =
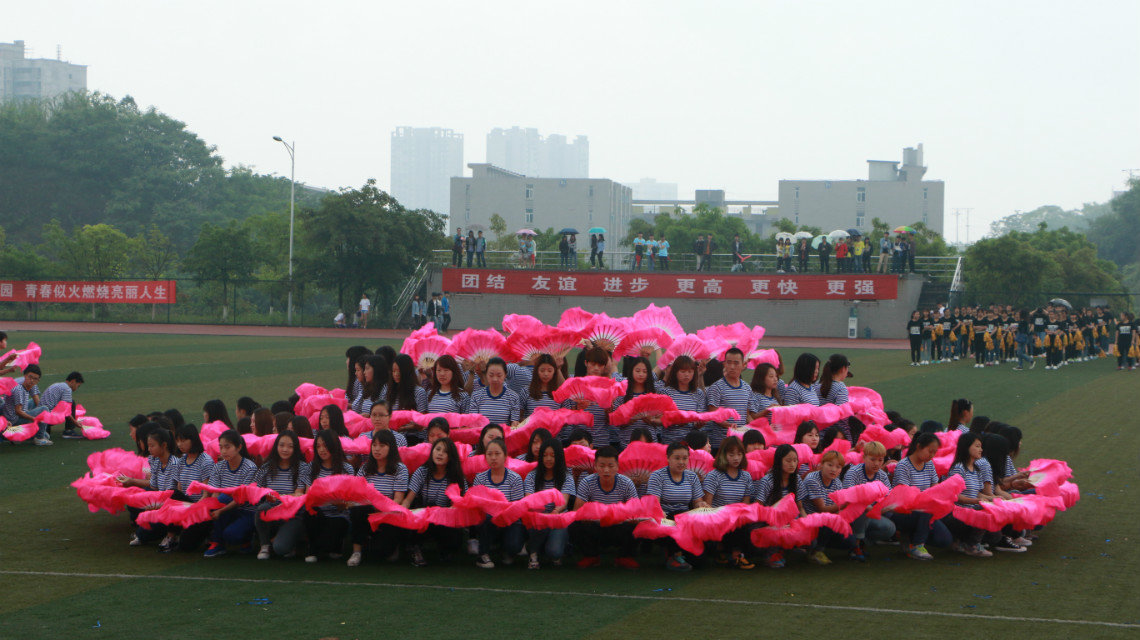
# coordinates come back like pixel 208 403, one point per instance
pixel 596 230
pixel 569 231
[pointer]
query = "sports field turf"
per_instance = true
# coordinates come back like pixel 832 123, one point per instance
pixel 69 573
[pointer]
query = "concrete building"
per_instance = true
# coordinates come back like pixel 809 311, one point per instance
pixel 23 78
pixel 423 162
pixel 756 214
pixel 538 203
pixel 895 194
pixel 651 189
pixel 525 151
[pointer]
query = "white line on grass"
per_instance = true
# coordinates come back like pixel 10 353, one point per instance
pixel 615 596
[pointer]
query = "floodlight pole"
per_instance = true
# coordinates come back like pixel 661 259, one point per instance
pixel 291 148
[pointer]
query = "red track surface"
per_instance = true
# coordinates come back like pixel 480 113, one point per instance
pixel 381 334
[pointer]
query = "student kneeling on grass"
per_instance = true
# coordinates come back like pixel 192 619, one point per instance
pixel 62 392
pixel 23 405
pixel 605 486
pixel 870 470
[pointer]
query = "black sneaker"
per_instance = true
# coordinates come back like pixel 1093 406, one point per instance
pixel 1008 546
pixel 72 434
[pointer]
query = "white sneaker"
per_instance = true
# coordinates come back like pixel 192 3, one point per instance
pixel 1025 542
pixel 472 547
pixel 135 542
pixel 311 559
pixel 263 554
pixel 43 442
pixel 354 559
pixel 485 562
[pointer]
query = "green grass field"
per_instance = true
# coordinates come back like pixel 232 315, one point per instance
pixel 69 573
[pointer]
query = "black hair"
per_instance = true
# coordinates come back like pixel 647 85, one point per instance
pixel 607 451
pixel 190 432
pixel 247 405
pixel 829 435
pixel 281 406
pixel 836 362
pixel 1012 435
pixel 137 421
pixel 804 371
pixel 805 428
pixel 499 442
pixel 957 408
pixel 978 424
pixel 995 449
pixel 439 423
pixel 141 433
pixel 337 458
pixel 175 417
pixel 352 355
pixel 649 384
pixel 403 393
pixel 76 376
pixel 921 440
pixel 392 462
pixel 215 410
pixel 273 460
pixel 714 370
pixel 453 472
pixel 962 452
pixel 681 363
pixel 496 362
pixel 536 387
pixel 301 426
pixel 734 351
pixel 758 377
pixel 262 422
pixel 380 372
pixel 931 426
pixel 673 446
pixel 775 494
pixel 386 352
pixel 33 368
pixel 696 439
pixel 163 437
pixel 542 433
pixel 233 437
pixel 244 425
pixel 581 433
pixel 752 436
pixel 641 434
pixel 478 448
pixel 336 420
pixel 559 464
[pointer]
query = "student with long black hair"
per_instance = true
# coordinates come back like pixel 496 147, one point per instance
pixel 286 472
pixel 510 484
pixel 683 386
pixel 961 415
pixel 428 488
pixel 332 418
pixel 233 523
pixel 404 390
pixel 539 392
pixel 327 528
pixel 916 469
pixel 388 475
pixel 833 389
pixel 551 473
pixel 802 389
pixel 447 394
pixel 353 386
pixel 375 385
pixel 163 477
pixel 640 381
pixel 782 479
pixel 975 471
pixel 214 411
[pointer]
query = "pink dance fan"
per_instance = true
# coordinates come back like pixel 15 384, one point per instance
pixel 478 345
pixel 800 532
pixel 425 331
pixel 646 507
pixel 425 351
pixel 701 462
pixel 117 461
pixel 675 417
pixel 243 494
pixel 526 345
pixel 176 512
pixel 762 356
pixel 455 420
pixel 18 433
pixel 687 345
pixel 288 508
pixel 579 458
pixel 889 439
pixel 544 418
pixel 642 458
pixel 597 389
pixel 56 416
pixel 643 342
pixel 92 428
pixel 660 318
pixel 515 322
pixel 6 386
pixel 856 499
pixel 24 357
pixel 576 319
pixel 606 332
pixel 306 389
pixel 737 335
pixel 646 405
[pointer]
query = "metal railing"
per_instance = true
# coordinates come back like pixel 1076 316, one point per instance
pixel 402 308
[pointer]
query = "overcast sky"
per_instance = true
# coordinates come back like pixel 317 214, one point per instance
pixel 1019 104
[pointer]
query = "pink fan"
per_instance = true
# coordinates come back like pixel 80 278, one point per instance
pixel 360 445
pixel 18 433
pixel 489 500
pixel 576 319
pixel 306 389
pixel 526 345
pixel 1045 473
pixel 288 508
pixel 410 519
pixel 56 415
pixel 211 430
pixel 425 331
pixel 538 520
pixel 425 351
pixel 455 420
pixel 474 345
pixel 117 461
pixel 473 466
pixel 176 512
pixel 538 500
pixel 6 386
pixel 773 436
pixel 259 446
pixel 660 318
pixel 415 456
pixel 306 448
pixel 948 441
pixel 453 518
pixel 93 428
pixel 686 345
pixel 840 445
pixel 701 462
pixel 400 418
pixel 702 525
pixel 515 322
pixel 641 407
pixel 358 424
pixel 734 335
pixel 864 393
pixel 102 493
pixel 642 457
pixel 800 532
pixel 856 499
pixel 544 418
pixel 242 494
pixel 785 511
pixel 654 530
pixel 721 414
pixel 339 488
pixel 521 467
pixel 757 468
pixel 610 514
pixel 597 389
pixel 579 457
pixel 642 342
pixel 24 357
pixel 148 500
pixel 607 333
pixel 762 356
pixel 889 439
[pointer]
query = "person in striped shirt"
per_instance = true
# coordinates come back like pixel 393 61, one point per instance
pixel 730 391
pixel 447 394
pixel 23 404
pixel 404 391
pixel 428 488
pixel 519 377
pixel 510 484
pixel 374 387
pixel 803 389
pixel 679 490
pixel 327 528
pixel 765 390
pixel 597 362
pixel 63 392
pixel 807 433
pixel 495 401
pixel 870 470
pixel 379 416
pixel 961 414
pixel 975 471
pixel 286 472
pixel 194 465
pixel 916 469
pixel 781 480
pixel 388 475
pixel 551 473
pixel 233 523
pixel 683 386
pixel 163 477
pixel 604 486
pixel 832 389
pixel 730 483
pixel 354 362
pixel 640 382
pixel 332 418
pixel 539 391
pixel 818 486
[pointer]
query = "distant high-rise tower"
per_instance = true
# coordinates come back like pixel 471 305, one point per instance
pixel 23 78
pixel 424 160
pixel 525 151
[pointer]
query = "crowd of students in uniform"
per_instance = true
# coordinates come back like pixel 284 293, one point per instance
pixel 381 382
pixel 24 402
pixel 1000 334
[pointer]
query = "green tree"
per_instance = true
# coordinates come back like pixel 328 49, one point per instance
pixel 1115 234
pixel 221 257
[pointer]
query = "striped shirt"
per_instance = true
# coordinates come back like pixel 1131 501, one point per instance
pixel 693 400
pixel 529 404
pixel 421 396
pixel 815 490
pixel 501 409
pixel 198 471
pixel 20 397
pixel 566 488
pixel 511 486
pixel 600 432
pixel 762 488
pixel 1010 469
pixel 623 431
pixel 675 496
pixel 837 394
pixel 281 480
pixel 163 478
pixel 962 428
pixel 722 394
pixel 797 393
pixel 590 490
pixel 726 489
pixel 450 402
pixel 223 477
pixel 388 484
pixel 401 441
pixel 906 473
pixel 329 510
pixel 432 491
pixel 976 479
pixel 519 377
pixel 363 405
pixel 355 392
pixel 857 475
pixel 55 394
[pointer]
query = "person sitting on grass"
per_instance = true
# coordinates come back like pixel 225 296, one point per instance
pixel 604 486
pixel 62 392
pixel 23 405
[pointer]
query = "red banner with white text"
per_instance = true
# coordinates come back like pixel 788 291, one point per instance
pixel 669 285
pixel 135 292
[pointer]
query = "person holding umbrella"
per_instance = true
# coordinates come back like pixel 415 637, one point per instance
pixel 564 252
pixel 593 249
pixel 824 250
pixel 884 252
pixel 911 249
pixel 803 252
pixel 573 251
pixel 601 250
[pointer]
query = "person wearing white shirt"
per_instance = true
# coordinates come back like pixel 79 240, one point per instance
pixel 365 306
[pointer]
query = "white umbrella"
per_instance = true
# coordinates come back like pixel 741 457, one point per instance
pixel 838 233
pixel 784 235
pixel 804 235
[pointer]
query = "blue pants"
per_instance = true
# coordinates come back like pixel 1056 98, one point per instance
pixel 550 542
pixel 33 411
pixel 865 528
pixel 511 537
pixel 233 527
pixel 921 530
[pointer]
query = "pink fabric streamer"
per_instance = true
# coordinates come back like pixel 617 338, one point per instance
pixel 675 417
pixel 597 389
pixel 938 500
pixel 24 357
pixel 544 418
pixel 641 407
pixel 176 512
pixel 800 532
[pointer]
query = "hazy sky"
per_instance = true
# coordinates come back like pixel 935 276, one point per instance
pixel 1019 104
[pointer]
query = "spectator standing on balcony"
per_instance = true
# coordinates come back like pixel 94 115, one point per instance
pixel 531 250
pixel 469 246
pixel 841 256
pixel 911 249
pixel 824 250
pixel 699 250
pixel 803 251
pixel 710 246
pixel 480 251
pixel 435 310
pixel 651 249
pixel 884 252
pixel 899 250
pixel 564 252
pixel 868 248
pixel 737 257
pixel 857 255
pixel 601 250
pixel 417 312
pixel 573 251
pixel 663 252
pixel 638 252
pixel 457 248
pixel 593 249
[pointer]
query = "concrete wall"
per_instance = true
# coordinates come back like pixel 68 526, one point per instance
pixel 836 204
pixel 808 318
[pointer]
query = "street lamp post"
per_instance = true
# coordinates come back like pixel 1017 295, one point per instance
pixel 291 148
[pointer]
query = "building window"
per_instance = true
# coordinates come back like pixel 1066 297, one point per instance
pixel 591 191
pixel 797 218
pixel 530 192
pixel 591 215
pixel 861 194
pixel 858 221
pixel 924 193
pixel 796 194
pixel 467 215
pixel 529 215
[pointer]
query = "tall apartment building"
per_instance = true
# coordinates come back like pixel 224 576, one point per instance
pixel 896 194
pixel 23 78
pixel 527 152
pixel 424 160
